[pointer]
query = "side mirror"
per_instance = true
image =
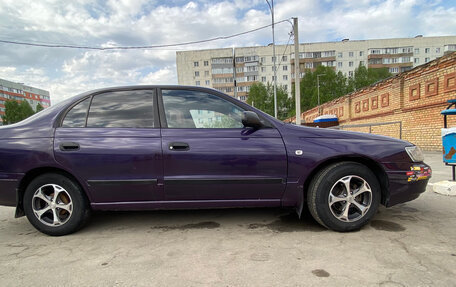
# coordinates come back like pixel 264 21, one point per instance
pixel 251 119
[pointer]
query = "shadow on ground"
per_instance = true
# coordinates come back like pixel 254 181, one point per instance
pixel 252 219
pixel 393 219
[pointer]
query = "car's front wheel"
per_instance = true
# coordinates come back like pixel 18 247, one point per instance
pixel 344 196
pixel 55 204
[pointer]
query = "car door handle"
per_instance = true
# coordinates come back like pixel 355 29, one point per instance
pixel 179 146
pixel 69 146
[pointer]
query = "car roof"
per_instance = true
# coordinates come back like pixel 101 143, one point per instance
pixel 136 87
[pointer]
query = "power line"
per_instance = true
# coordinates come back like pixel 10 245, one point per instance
pixel 286 47
pixel 51 45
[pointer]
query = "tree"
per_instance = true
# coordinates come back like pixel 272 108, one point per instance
pixel 259 98
pixel 262 97
pixel 364 77
pixel 39 108
pixel 16 112
pixel 332 86
pixel 26 109
pixel 285 105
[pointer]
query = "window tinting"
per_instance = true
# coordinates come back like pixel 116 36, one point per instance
pixel 76 117
pixel 193 109
pixel 123 109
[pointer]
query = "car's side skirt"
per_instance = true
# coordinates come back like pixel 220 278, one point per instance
pixel 186 204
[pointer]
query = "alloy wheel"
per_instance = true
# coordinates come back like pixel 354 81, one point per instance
pixel 52 205
pixel 350 198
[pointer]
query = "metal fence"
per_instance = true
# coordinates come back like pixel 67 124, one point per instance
pixel 342 127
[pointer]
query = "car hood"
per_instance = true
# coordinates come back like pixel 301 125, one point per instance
pixel 312 132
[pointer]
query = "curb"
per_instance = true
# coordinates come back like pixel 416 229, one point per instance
pixel 445 187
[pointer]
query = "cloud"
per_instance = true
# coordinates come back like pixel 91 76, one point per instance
pixel 161 77
pixel 438 21
pixel 31 75
pixel 65 72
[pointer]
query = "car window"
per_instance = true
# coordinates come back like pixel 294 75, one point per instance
pixel 194 109
pixel 76 117
pixel 122 109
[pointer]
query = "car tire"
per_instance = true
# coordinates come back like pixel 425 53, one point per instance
pixel 344 196
pixel 55 204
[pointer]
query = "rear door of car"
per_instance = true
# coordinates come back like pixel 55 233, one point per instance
pixel 111 142
pixel 209 155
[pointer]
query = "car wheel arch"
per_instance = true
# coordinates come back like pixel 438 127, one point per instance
pixel 34 173
pixel 374 166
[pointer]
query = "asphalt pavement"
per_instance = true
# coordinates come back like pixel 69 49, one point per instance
pixel 412 244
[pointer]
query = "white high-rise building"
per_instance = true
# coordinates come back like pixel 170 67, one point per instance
pixel 215 68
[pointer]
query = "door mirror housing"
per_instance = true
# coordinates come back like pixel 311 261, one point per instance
pixel 251 119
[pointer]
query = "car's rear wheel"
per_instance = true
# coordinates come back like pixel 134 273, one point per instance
pixel 344 196
pixel 55 204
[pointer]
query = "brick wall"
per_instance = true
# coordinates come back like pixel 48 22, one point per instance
pixel 415 98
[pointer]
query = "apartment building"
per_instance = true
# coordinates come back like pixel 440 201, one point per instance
pixel 234 70
pixel 20 92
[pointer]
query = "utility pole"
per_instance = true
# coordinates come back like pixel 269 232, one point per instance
pixel 271 7
pixel 275 60
pixel 234 74
pixel 297 80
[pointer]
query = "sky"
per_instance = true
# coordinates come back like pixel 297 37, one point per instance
pixel 67 72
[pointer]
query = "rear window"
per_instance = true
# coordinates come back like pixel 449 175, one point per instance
pixel 76 117
pixel 123 109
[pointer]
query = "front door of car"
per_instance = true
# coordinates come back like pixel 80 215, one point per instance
pixel 111 142
pixel 209 155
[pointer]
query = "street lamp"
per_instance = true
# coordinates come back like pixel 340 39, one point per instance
pixel 318 91
pixel 271 8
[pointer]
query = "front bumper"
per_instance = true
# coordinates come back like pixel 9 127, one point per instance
pixel 408 183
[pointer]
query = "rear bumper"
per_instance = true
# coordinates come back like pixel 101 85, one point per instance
pixel 9 183
pixel 408 184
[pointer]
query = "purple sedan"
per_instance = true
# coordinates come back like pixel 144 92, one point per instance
pixel 169 147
